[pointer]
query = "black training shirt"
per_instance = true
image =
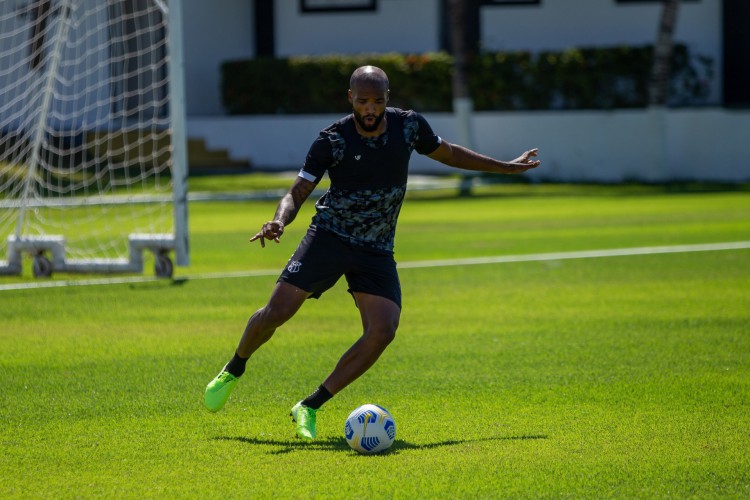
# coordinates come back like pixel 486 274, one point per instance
pixel 368 176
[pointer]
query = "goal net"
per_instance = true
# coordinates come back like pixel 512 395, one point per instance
pixel 92 162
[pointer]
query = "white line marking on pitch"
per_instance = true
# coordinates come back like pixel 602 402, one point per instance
pixel 501 259
pixel 582 254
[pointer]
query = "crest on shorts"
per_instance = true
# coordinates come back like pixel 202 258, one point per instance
pixel 294 266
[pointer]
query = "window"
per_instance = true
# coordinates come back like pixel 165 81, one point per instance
pixel 648 1
pixel 338 5
pixel 511 2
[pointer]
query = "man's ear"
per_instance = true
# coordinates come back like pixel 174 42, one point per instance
pixel 387 95
pixel 349 96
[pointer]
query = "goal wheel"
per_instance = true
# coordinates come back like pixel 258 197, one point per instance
pixel 42 266
pixel 163 267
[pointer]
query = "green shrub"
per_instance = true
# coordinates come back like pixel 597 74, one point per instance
pixel 578 78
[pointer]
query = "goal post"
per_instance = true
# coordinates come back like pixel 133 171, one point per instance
pixel 179 134
pixel 93 163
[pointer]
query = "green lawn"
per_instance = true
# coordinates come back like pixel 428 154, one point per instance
pixel 625 377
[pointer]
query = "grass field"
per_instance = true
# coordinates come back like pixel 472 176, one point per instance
pixel 618 377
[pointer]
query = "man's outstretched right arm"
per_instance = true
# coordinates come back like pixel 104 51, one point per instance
pixel 286 211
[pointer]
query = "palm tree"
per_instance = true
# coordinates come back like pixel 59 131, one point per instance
pixel 459 13
pixel 658 89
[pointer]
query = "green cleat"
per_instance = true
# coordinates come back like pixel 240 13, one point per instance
pixel 305 418
pixel 218 391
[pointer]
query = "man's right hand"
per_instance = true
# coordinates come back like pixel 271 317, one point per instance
pixel 271 230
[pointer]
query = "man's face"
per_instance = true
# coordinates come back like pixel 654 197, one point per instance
pixel 368 104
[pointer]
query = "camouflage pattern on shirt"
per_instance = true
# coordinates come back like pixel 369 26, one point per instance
pixel 368 176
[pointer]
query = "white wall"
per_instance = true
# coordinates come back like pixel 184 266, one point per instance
pixel 558 24
pixel 561 23
pixel 213 32
pixel 593 146
pixel 397 26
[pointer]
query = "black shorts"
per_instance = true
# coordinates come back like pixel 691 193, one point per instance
pixel 322 258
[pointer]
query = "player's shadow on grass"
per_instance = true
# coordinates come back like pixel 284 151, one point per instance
pixel 340 444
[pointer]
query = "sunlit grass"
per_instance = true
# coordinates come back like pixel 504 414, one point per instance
pixel 621 377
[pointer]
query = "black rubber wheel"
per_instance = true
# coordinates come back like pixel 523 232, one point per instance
pixel 163 267
pixel 42 267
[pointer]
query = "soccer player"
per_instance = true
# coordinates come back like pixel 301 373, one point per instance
pixel 366 155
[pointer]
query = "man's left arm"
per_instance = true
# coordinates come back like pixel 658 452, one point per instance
pixel 457 156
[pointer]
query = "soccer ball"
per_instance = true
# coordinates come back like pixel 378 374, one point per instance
pixel 370 429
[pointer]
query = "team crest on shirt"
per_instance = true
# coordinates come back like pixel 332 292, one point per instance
pixel 294 266
pixel 357 157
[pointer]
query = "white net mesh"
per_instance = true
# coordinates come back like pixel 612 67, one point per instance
pixel 85 132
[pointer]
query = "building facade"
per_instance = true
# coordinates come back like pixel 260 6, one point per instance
pixel 240 29
pixel 652 145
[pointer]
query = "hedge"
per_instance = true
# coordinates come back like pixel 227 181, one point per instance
pixel 581 78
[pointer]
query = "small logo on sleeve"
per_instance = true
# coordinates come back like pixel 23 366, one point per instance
pixel 294 266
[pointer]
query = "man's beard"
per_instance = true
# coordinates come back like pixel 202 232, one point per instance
pixel 369 128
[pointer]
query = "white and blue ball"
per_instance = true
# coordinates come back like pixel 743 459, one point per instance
pixel 370 429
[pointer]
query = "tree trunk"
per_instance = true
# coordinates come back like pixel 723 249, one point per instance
pixel 460 13
pixel 658 91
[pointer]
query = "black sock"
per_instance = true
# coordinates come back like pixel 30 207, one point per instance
pixel 236 365
pixel 317 398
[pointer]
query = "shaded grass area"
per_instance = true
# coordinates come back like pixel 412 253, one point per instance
pixel 483 185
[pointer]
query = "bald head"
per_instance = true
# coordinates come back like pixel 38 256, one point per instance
pixel 368 95
pixel 368 76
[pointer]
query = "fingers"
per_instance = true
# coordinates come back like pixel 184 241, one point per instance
pixel 530 154
pixel 526 160
pixel 259 236
pixel 270 231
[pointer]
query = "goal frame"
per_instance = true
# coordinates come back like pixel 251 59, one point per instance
pixel 48 251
